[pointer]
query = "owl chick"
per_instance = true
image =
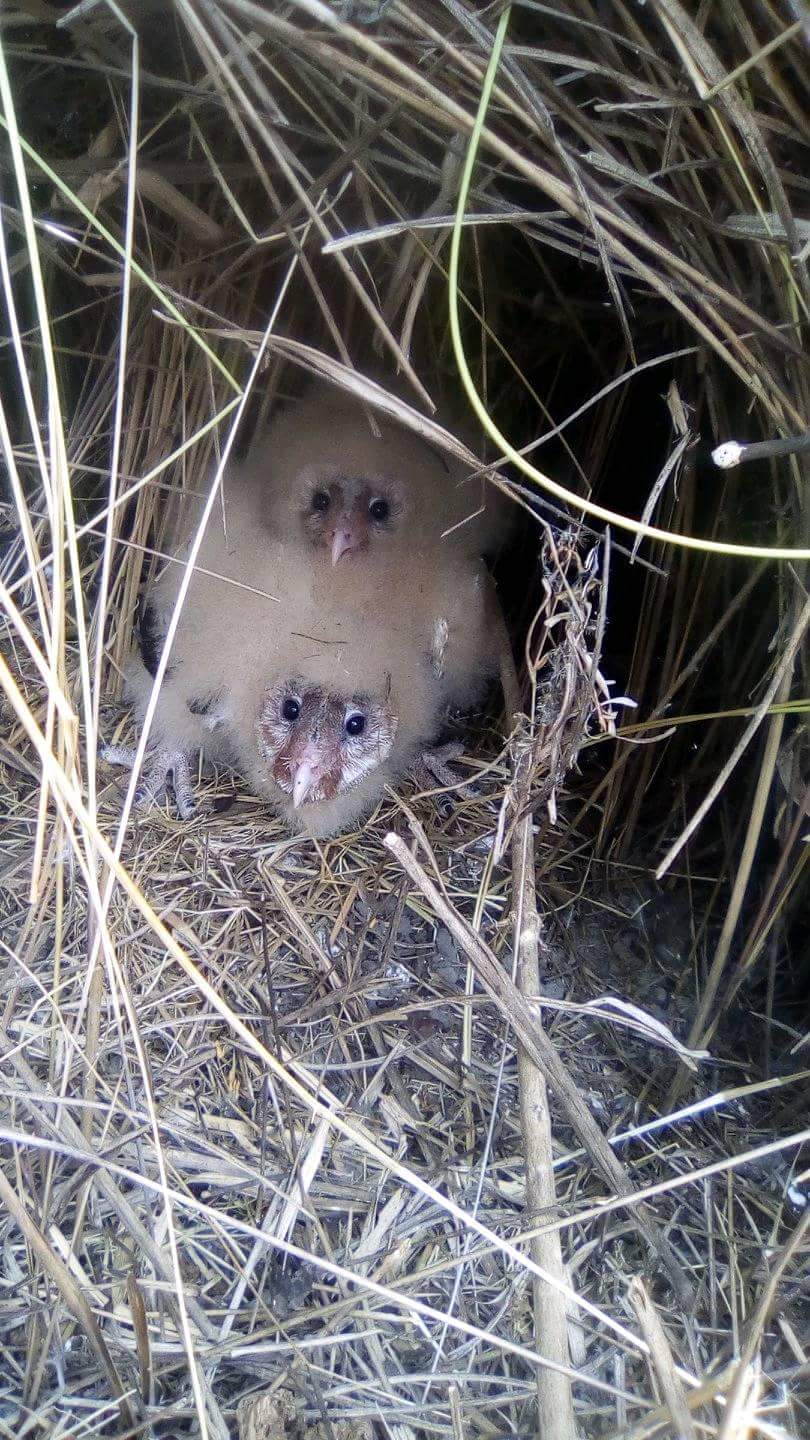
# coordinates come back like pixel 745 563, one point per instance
pixel 321 475
pixel 321 753
pixel 317 732
pixel 320 690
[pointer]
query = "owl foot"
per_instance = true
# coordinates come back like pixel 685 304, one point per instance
pixel 154 782
pixel 433 766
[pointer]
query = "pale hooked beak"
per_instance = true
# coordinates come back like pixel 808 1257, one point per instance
pixel 343 542
pixel 307 775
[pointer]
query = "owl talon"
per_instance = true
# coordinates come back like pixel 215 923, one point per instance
pixel 184 797
pixel 123 755
pixel 433 766
pixel 154 782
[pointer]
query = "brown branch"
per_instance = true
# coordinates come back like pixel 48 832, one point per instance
pixel 555 1411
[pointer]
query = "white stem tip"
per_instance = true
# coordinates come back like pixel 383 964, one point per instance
pixel 728 455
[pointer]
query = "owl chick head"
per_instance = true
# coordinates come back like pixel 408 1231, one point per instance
pixel 319 743
pixel 345 511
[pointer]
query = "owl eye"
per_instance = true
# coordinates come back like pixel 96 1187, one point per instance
pixel 291 708
pixel 320 501
pixel 355 724
pixel 379 509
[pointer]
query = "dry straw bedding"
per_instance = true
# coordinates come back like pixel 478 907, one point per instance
pixel 271 1126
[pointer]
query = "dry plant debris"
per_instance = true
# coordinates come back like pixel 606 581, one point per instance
pixel 264 1137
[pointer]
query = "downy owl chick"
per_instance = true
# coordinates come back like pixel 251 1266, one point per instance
pixel 322 476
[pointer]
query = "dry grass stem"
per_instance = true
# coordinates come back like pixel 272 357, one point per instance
pixel 370 1138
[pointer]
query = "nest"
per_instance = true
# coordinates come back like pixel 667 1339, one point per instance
pixel 486 1118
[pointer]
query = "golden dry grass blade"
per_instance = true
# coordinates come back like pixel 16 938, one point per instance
pixel 260 1112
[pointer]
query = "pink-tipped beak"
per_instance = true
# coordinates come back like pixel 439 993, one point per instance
pixel 343 542
pixel 308 772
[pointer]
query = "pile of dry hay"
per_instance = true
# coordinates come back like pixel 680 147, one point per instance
pixel 274 1128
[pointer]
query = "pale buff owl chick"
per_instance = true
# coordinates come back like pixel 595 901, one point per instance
pixel 321 475
pixel 319 701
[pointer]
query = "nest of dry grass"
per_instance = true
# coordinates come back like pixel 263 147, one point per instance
pixel 278 1154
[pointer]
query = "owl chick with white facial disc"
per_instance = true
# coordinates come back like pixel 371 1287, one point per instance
pixel 325 475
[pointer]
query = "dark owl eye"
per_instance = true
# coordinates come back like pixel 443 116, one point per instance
pixel 291 708
pixel 355 724
pixel 379 509
pixel 320 500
